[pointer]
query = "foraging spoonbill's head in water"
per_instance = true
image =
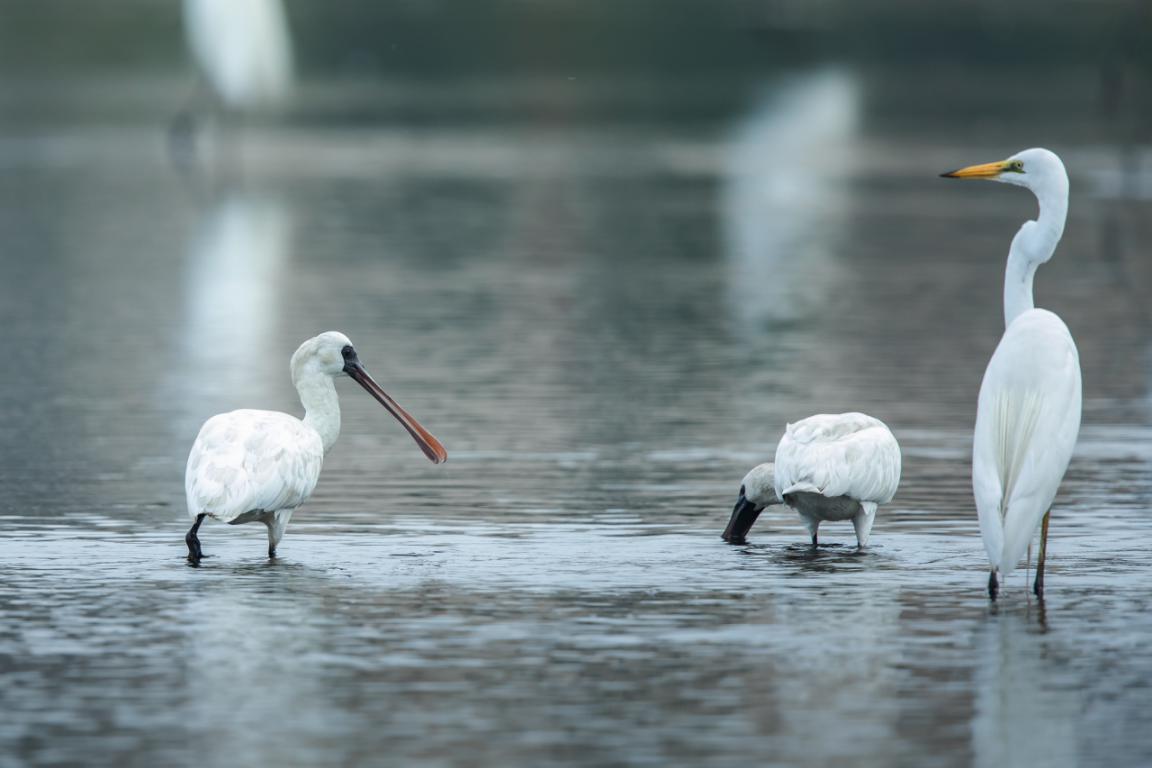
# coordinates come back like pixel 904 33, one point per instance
pixel 757 491
pixel 259 466
pixel 831 466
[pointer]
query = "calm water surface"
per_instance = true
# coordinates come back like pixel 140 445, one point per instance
pixel 607 322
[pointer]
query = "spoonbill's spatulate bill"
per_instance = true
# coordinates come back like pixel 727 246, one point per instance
pixel 828 467
pixel 261 465
pixel 1028 416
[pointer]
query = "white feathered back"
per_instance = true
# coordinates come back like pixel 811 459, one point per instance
pixel 246 460
pixel 844 454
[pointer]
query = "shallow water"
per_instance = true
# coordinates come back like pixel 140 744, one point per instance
pixel 606 322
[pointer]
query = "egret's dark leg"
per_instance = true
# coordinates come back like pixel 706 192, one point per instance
pixel 993 587
pixel 194 551
pixel 271 551
pixel 1038 585
pixel 814 545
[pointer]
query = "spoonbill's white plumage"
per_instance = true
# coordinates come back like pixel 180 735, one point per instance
pixel 244 50
pixel 251 465
pixel 828 467
pixel 1028 416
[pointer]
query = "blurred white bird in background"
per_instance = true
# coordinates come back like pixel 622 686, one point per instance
pixel 784 192
pixel 250 466
pixel 1028 416
pixel 243 49
pixel 828 467
pixel 243 52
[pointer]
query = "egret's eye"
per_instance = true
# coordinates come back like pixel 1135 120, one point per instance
pixel 1017 166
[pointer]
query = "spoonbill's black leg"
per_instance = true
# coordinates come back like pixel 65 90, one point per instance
pixel 194 551
pixel 275 532
pixel 1038 585
pixel 814 545
pixel 993 587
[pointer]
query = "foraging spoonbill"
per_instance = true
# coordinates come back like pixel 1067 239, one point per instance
pixel 1028 415
pixel 251 465
pixel 828 467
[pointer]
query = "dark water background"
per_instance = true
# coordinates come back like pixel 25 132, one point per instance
pixel 606 295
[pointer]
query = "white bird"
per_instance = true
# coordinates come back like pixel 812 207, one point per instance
pixel 828 467
pixel 1028 416
pixel 782 194
pixel 244 50
pixel 261 465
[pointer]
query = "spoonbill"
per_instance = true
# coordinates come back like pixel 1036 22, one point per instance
pixel 1028 415
pixel 838 466
pixel 250 465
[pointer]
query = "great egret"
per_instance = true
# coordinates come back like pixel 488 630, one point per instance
pixel 260 465
pixel 1028 415
pixel 828 467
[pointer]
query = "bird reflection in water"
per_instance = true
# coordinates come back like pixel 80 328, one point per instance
pixel 784 203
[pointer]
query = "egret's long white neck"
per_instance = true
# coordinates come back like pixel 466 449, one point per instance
pixel 1034 244
pixel 321 405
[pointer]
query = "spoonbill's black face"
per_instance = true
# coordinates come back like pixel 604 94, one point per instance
pixel 743 516
pixel 428 444
pixel 350 359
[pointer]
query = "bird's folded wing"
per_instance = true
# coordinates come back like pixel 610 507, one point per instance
pixel 252 460
pixel 845 455
pixel 1026 427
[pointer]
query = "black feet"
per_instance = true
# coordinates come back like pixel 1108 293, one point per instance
pixel 993 587
pixel 195 554
pixel 1038 585
pixel 271 553
pixel 814 544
